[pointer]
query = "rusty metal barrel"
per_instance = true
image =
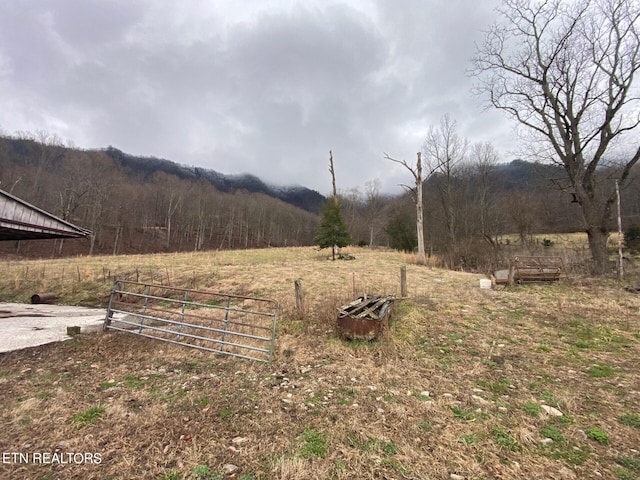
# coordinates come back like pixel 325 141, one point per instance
pixel 43 298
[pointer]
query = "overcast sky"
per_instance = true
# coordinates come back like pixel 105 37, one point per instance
pixel 266 87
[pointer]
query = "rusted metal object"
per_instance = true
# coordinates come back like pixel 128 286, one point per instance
pixel 366 318
pixel 531 269
pixel 43 298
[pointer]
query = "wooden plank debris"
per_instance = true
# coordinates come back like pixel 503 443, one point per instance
pixel 365 318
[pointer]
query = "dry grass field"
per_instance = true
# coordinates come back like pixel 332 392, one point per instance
pixel 525 382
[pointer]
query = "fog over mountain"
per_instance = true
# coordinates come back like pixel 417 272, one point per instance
pixel 264 87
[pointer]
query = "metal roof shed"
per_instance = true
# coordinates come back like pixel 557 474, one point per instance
pixel 20 220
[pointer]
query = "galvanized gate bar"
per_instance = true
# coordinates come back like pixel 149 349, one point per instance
pixel 222 323
pixel 158 329
pixel 179 324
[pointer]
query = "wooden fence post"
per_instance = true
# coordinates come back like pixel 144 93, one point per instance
pixel 403 281
pixel 298 288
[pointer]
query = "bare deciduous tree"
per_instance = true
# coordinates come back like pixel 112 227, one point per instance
pixel 444 150
pixel 417 192
pixel 565 70
pixel 373 207
pixel 485 158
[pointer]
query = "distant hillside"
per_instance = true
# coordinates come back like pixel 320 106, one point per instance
pixel 523 175
pixel 301 197
pixel 147 205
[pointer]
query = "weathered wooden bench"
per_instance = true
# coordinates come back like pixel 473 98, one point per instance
pixel 531 269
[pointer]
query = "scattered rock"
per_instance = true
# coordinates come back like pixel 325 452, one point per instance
pixel 582 434
pixel 480 400
pixel 455 476
pixel 554 412
pixel 230 468
pixel 114 389
pixel 546 441
pixel 239 440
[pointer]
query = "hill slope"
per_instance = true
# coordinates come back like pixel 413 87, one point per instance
pixel 301 197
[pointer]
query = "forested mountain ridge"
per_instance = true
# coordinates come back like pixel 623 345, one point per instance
pixel 302 197
pixel 23 151
pixel 147 205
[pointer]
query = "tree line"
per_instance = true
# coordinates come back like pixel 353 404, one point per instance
pixel 469 206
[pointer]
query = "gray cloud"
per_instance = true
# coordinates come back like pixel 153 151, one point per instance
pixel 267 89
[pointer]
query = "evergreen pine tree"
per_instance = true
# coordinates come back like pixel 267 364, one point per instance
pixel 332 231
pixel 402 232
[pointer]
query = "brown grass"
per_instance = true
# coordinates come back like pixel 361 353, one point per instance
pixel 456 386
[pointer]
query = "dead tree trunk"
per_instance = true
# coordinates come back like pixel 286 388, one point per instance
pixel 333 176
pixel 419 213
pixel 417 193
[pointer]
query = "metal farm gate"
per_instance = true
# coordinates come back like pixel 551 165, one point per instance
pixel 217 322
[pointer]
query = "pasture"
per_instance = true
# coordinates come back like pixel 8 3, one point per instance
pixel 532 381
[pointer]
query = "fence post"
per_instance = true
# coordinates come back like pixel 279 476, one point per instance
pixel 403 281
pixel 298 288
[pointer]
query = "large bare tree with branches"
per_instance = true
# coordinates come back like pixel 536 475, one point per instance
pixel 444 151
pixel 416 191
pixel 565 70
